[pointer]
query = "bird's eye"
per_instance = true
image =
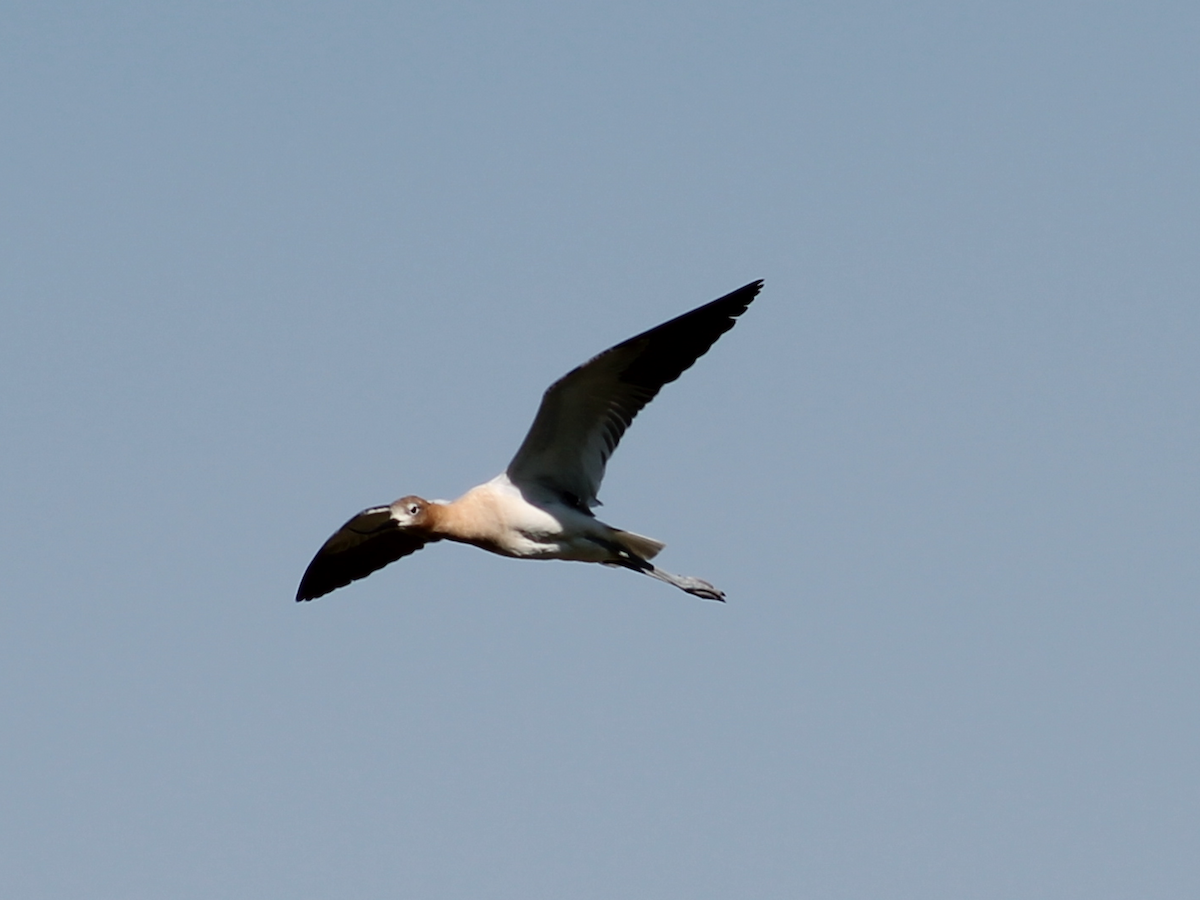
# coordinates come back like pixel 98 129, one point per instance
pixel 414 509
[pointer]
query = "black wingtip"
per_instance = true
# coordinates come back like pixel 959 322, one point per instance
pixel 305 592
pixel 742 297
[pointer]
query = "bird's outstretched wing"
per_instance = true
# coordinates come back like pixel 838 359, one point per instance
pixel 584 414
pixel 368 542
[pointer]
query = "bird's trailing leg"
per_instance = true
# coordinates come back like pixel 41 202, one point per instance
pixel 697 587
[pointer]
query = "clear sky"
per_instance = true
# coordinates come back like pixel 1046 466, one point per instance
pixel 264 264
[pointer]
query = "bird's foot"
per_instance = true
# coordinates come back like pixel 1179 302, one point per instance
pixel 697 587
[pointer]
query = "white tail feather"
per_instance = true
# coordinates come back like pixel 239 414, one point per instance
pixel 645 547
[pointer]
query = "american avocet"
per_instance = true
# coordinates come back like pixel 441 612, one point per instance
pixel 540 507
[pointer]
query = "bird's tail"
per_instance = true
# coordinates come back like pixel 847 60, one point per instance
pixel 638 544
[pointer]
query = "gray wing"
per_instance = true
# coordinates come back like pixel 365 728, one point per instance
pixel 585 413
pixel 368 542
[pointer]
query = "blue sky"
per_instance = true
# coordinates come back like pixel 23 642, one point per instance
pixel 264 265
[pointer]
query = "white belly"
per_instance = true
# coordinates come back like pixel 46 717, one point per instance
pixel 540 530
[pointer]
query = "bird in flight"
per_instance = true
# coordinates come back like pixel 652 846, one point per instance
pixel 540 507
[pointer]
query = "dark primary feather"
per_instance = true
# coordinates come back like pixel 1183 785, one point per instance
pixel 366 543
pixel 586 412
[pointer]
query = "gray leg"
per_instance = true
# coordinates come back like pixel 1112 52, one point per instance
pixel 697 587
